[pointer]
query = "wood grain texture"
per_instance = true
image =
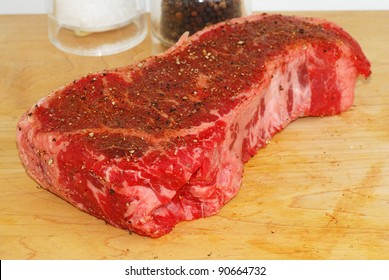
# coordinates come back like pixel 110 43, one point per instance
pixel 319 190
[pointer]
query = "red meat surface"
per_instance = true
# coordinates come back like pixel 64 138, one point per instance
pixel 165 139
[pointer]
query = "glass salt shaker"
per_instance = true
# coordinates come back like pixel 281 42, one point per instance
pixel 96 27
pixel 171 18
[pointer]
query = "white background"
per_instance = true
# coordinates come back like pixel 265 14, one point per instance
pixel 39 6
pixel 115 270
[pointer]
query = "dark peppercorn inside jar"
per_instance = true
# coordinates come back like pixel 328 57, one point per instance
pixel 171 18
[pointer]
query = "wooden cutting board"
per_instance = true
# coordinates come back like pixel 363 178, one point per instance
pixel 319 190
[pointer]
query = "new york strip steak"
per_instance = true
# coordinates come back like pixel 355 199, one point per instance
pixel 163 140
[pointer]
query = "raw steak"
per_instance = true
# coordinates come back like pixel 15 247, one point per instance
pixel 163 140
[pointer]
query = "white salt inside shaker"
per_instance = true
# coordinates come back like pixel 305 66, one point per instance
pixel 96 27
pixel 94 15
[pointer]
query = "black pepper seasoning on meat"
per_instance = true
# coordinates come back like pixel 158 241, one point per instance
pixel 180 16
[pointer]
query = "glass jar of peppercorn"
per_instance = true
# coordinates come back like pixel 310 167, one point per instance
pixel 171 18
